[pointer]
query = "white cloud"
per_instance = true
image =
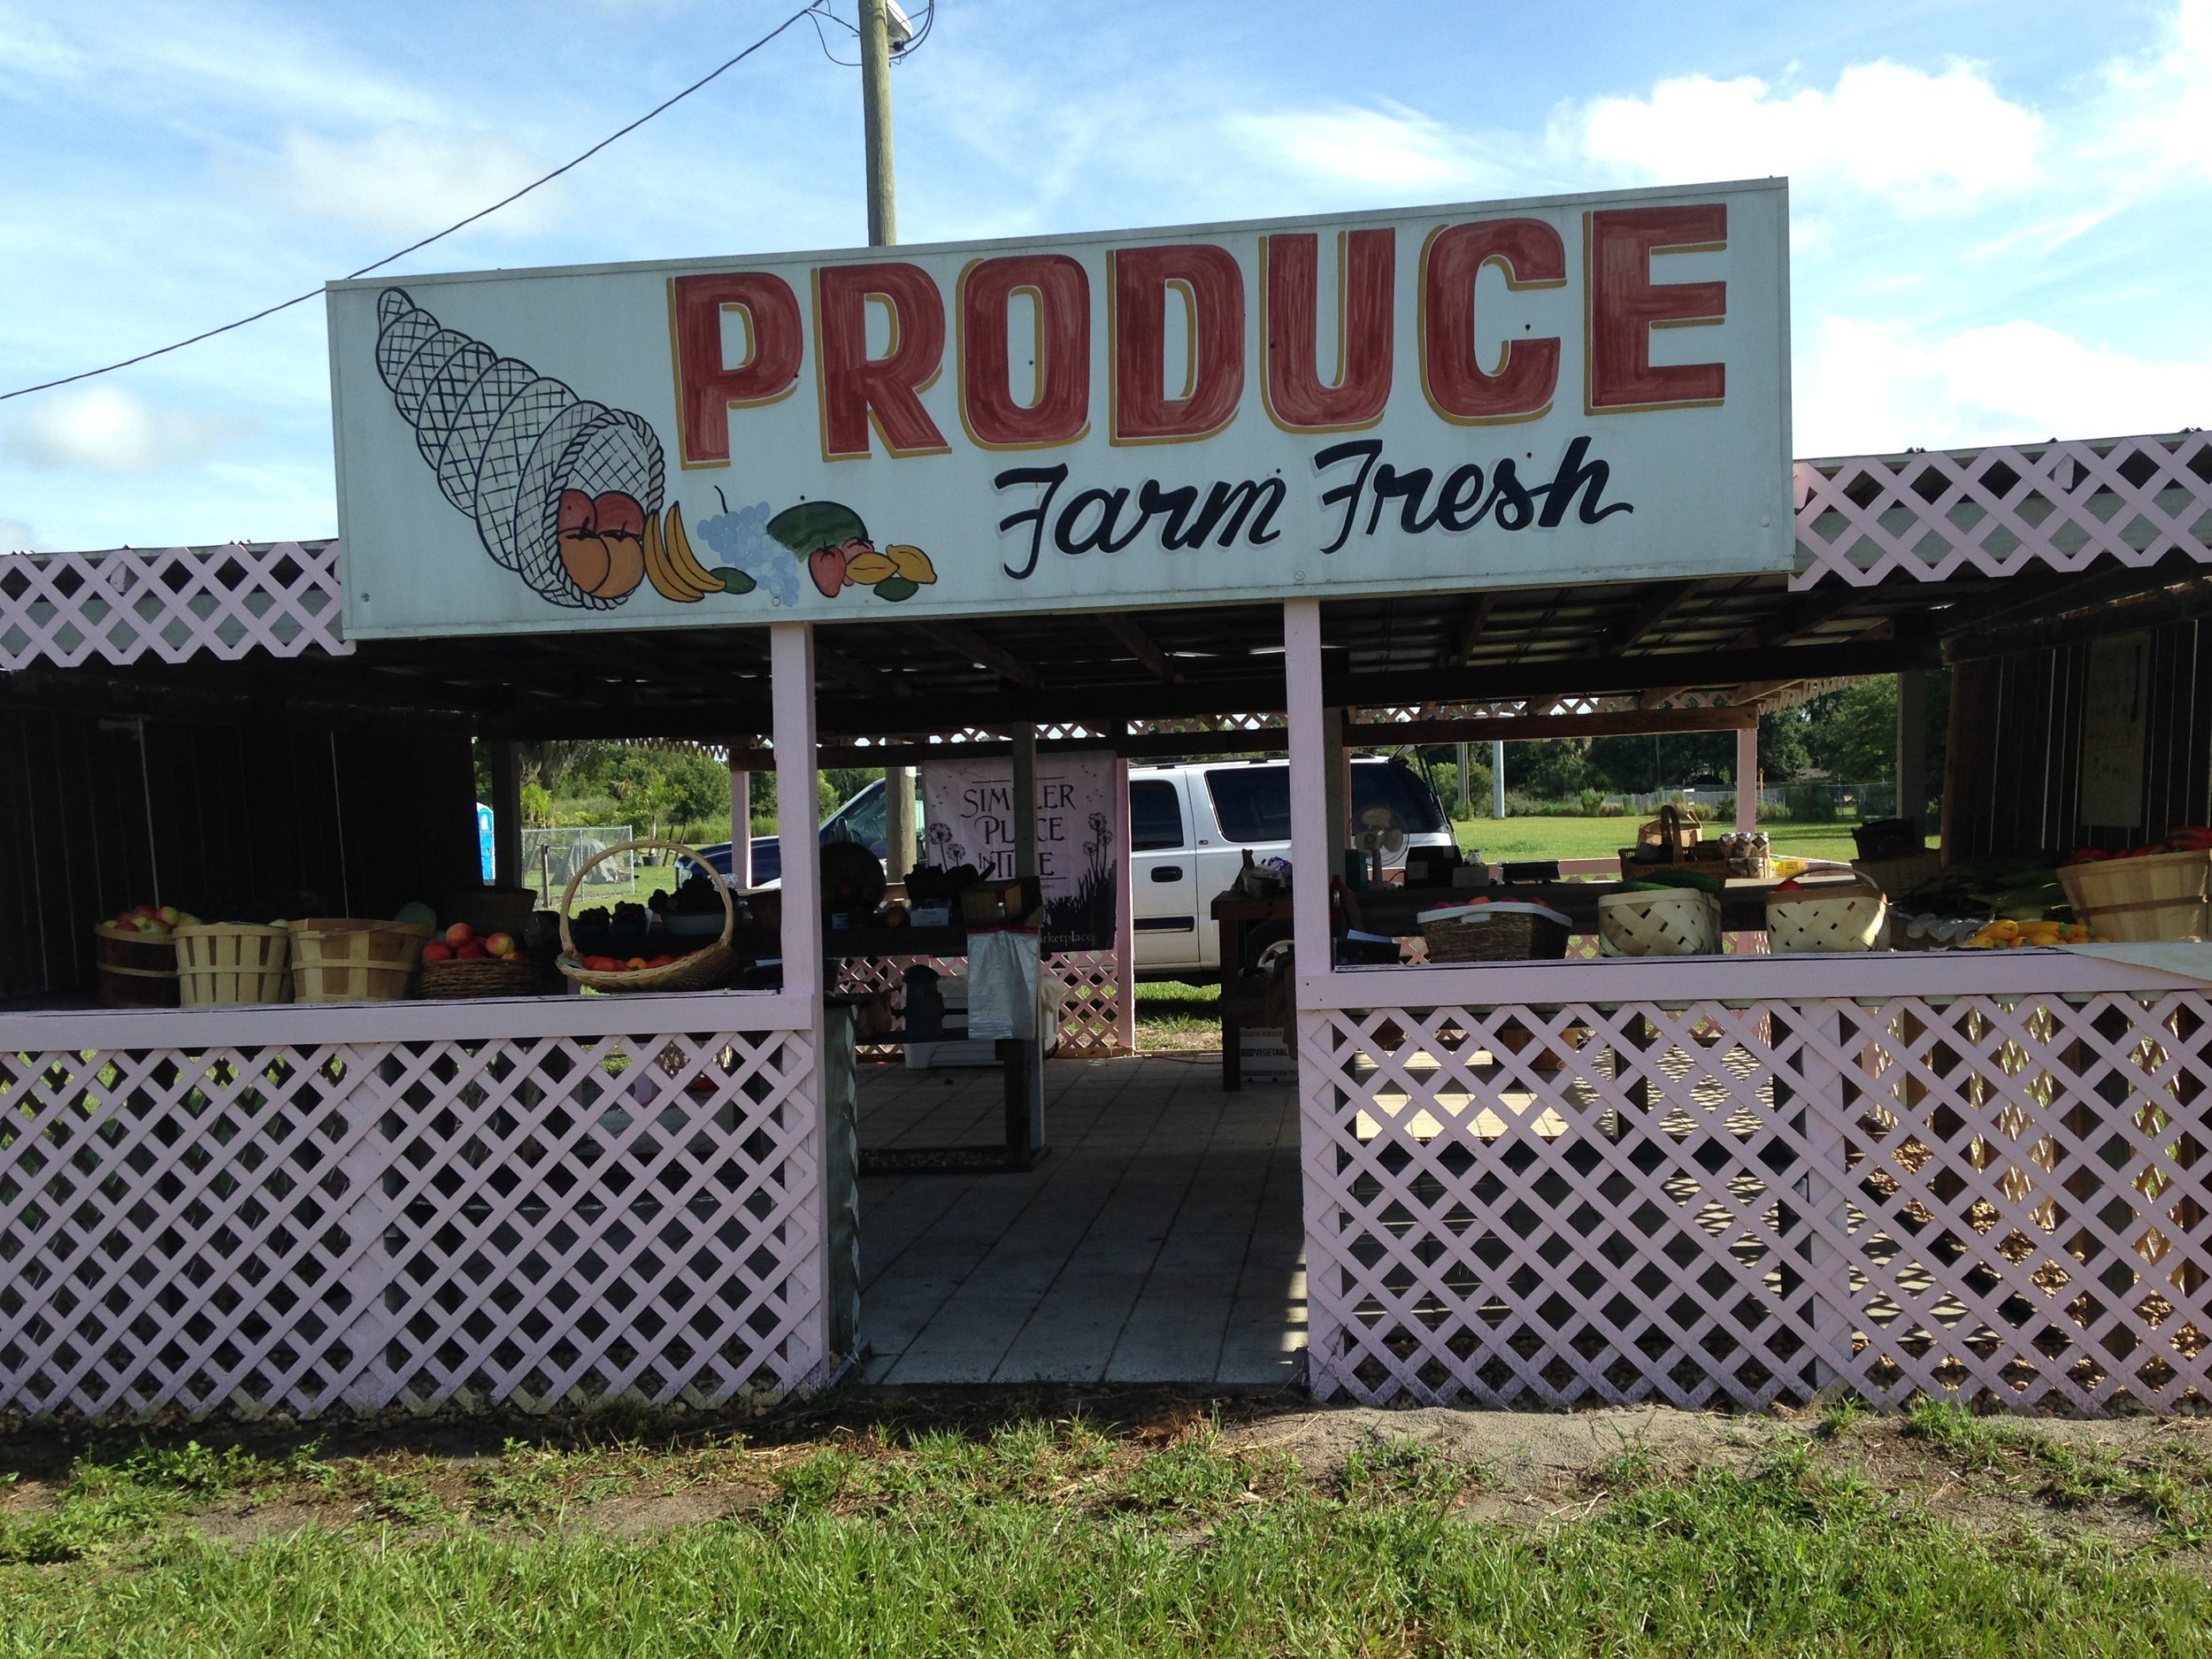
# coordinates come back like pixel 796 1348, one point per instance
pixel 1870 387
pixel 109 430
pixel 2161 103
pixel 16 536
pixel 1390 145
pixel 1924 143
pixel 407 180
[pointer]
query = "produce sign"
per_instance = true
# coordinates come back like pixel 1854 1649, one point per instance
pixel 1580 388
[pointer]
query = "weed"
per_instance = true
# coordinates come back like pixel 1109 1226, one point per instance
pixel 1384 1468
pixel 1838 1414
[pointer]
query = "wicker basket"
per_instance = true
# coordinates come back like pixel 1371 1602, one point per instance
pixel 1838 916
pixel 347 959
pixel 136 969
pixel 492 976
pixel 232 965
pixel 1680 922
pixel 704 970
pixel 1495 932
pixel 2140 900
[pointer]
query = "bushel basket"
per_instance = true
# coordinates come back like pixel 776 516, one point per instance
pixel 1840 916
pixel 1680 922
pixel 493 976
pixel 348 959
pixel 1495 932
pixel 234 965
pixel 704 970
pixel 136 969
pixel 2142 900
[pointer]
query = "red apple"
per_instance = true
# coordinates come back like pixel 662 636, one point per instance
pixel 502 945
pixel 459 934
pixel 471 952
pixel 436 950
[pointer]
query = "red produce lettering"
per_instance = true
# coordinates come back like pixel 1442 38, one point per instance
pixel 1212 290
pixel 707 387
pixel 1626 305
pixel 1059 289
pixel 856 388
pixel 1520 386
pixel 1297 397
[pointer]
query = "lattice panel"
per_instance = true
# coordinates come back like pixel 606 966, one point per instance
pixel 1999 1199
pixel 2031 1185
pixel 280 599
pixel 1089 1015
pixel 1571 1206
pixel 524 1220
pixel 1992 512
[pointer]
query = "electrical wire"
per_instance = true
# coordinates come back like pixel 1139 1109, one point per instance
pixel 508 201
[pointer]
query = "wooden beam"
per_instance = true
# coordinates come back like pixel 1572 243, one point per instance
pixel 1659 696
pixel 981 651
pixel 1476 619
pixel 1516 728
pixel 2179 602
pixel 1139 644
pixel 1670 598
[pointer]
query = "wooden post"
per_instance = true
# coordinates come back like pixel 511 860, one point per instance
pixel 1025 800
pixel 1747 778
pixel 1314 835
pixel 1912 746
pixel 898 822
pixel 1337 780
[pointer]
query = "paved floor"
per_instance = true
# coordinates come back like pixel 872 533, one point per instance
pixel 1161 1240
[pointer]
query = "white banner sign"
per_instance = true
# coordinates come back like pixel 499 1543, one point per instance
pixel 1580 388
pixel 968 806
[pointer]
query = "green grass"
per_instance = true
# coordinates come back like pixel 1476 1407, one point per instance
pixel 1518 838
pixel 1173 1018
pixel 1054 1537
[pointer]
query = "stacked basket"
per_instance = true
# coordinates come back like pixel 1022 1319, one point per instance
pixel 2140 900
pixel 225 965
pixel 1830 916
pixel 344 959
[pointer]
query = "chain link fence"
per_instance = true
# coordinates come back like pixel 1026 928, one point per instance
pixel 551 857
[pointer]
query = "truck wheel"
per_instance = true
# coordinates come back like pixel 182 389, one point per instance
pixel 1265 943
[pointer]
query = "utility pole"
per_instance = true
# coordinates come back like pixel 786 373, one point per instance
pixel 883 230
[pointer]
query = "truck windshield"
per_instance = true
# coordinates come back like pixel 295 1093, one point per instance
pixel 1252 804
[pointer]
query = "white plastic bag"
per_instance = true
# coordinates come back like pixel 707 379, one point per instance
pixel 1002 973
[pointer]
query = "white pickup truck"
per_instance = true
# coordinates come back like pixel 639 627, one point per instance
pixel 1191 825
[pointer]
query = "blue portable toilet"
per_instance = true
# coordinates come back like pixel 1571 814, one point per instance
pixel 484 841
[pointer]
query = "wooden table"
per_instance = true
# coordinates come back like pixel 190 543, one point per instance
pixel 1393 912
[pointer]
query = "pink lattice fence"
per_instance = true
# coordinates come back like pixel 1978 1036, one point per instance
pixel 1090 1026
pixel 279 598
pixel 526 1203
pixel 1823 1172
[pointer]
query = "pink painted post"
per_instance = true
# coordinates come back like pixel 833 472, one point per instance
pixel 1747 778
pixel 1124 918
pixel 741 827
pixel 1312 837
pixel 791 659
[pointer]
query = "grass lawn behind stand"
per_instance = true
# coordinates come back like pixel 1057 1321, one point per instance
pixel 1521 838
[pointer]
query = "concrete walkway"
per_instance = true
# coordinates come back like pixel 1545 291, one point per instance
pixel 1161 1240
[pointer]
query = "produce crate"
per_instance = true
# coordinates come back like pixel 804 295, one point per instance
pixel 1897 877
pixel 225 964
pixel 346 959
pixel 136 969
pixel 2141 901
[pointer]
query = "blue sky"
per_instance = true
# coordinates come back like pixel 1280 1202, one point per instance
pixel 1999 211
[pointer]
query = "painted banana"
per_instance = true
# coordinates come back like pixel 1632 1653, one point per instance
pixel 671 565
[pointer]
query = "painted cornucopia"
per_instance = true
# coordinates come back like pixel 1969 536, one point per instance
pixel 567 493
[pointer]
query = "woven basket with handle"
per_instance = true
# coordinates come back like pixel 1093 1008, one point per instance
pixel 1833 916
pixel 704 970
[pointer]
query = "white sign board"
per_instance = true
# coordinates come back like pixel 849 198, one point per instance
pixel 2116 731
pixel 1578 389
pixel 969 807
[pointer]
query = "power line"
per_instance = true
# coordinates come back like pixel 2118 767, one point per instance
pixel 508 201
